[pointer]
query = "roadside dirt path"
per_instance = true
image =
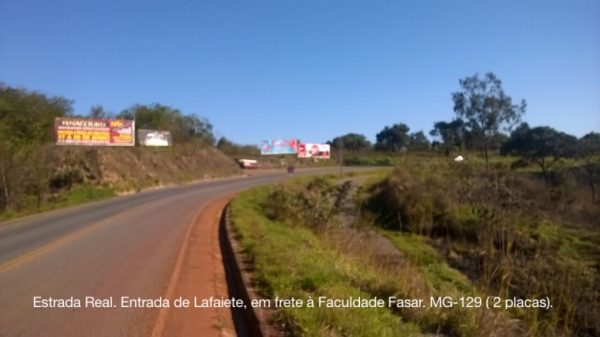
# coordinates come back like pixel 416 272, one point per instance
pixel 199 273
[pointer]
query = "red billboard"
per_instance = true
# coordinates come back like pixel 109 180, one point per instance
pixel 94 132
pixel 311 150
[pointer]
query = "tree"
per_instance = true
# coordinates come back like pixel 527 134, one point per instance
pixel 199 128
pixel 486 109
pixel 155 116
pixel 97 111
pixel 393 138
pixel 351 142
pixel 419 142
pixel 453 134
pixel 497 140
pixel 588 150
pixel 184 128
pixel 26 123
pixel 234 149
pixel 588 147
pixel 225 144
pixel 27 118
pixel 541 145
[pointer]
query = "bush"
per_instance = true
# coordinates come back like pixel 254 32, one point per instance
pixel 510 232
pixel 65 178
pixel 313 205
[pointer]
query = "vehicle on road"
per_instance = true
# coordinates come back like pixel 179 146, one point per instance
pixel 248 163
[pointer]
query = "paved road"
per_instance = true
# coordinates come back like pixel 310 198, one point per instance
pixel 127 246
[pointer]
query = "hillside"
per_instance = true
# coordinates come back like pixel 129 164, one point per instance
pixel 59 176
pixel 136 168
pixel 427 229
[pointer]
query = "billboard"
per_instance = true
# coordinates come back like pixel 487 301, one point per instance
pixel 154 137
pixel 94 132
pixel 279 146
pixel 310 150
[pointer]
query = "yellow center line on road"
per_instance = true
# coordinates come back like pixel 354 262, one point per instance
pixel 70 237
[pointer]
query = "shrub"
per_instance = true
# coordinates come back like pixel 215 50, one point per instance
pixel 510 232
pixel 313 205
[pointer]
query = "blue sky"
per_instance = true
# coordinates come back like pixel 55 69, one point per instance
pixel 308 69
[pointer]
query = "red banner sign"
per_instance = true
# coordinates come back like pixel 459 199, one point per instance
pixel 94 132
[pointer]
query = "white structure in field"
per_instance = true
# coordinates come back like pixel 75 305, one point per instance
pixel 459 158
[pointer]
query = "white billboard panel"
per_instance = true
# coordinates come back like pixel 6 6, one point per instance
pixel 154 137
pixel 311 150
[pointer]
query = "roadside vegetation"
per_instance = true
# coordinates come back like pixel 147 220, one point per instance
pixel 36 175
pixel 301 246
pixel 510 233
pixel 294 261
pixel 431 227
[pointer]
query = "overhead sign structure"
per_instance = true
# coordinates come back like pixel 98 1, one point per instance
pixel 311 150
pixel 279 146
pixel 94 132
pixel 154 137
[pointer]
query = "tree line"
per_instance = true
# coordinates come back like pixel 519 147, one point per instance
pixel 487 121
pixel 28 117
pixel 483 115
pixel 27 134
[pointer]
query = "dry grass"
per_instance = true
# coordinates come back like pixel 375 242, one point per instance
pixel 510 233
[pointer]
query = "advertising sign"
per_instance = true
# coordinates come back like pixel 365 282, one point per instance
pixel 91 132
pixel 314 151
pixel 279 147
pixel 154 137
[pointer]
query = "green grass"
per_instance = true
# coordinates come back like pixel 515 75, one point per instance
pixel 82 194
pixel 568 242
pixel 510 232
pixel 372 160
pixel 372 176
pixel 443 278
pixel 75 196
pixel 292 261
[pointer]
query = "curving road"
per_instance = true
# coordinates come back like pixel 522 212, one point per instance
pixel 126 246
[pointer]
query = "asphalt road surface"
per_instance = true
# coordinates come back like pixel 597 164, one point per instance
pixel 126 246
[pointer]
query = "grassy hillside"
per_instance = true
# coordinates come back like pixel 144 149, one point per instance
pixel 513 235
pixel 430 228
pixel 58 176
pixel 293 261
pixel 36 175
